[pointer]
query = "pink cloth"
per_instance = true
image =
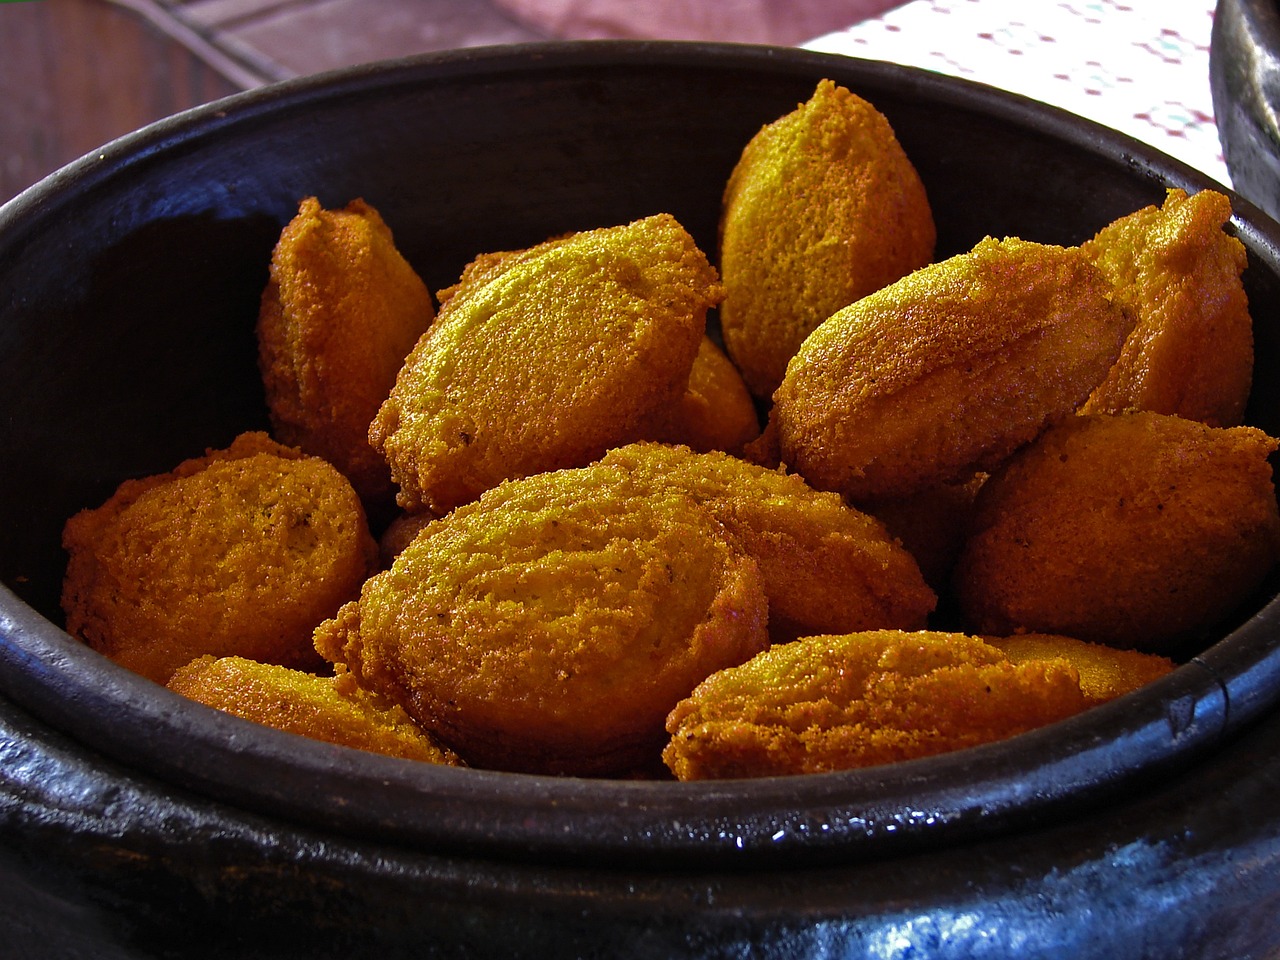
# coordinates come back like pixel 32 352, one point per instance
pixel 742 21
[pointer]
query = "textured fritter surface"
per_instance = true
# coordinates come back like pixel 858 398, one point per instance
pixel 323 708
pixel 1136 530
pixel 822 208
pixel 947 371
pixel 839 702
pixel 552 624
pixel 240 552
pixel 341 310
pixel 544 358
pixel 1105 672
pixel 716 411
pixel 1178 274
pixel 825 566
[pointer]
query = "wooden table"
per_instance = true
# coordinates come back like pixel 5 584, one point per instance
pixel 77 73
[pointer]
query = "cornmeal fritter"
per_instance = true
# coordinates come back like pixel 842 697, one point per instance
pixel 240 552
pixel 1178 274
pixel 1136 530
pixel 544 358
pixel 716 411
pixel 1105 672
pixel 552 624
pixel 825 566
pixel 859 700
pixel 948 371
pixel 322 708
pixel 339 314
pixel 822 208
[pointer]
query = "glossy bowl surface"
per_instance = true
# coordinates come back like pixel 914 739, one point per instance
pixel 129 284
pixel 1244 80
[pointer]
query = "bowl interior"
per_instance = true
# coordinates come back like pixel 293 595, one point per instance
pixel 129 285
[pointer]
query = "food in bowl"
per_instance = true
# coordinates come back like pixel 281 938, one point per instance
pixel 543 707
pixel 239 552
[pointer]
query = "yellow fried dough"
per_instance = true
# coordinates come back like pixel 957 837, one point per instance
pixel 1178 273
pixel 840 702
pixel 323 708
pixel 1105 672
pixel 544 358
pixel 1137 530
pixel 716 411
pixel 552 624
pixel 240 552
pixel 948 371
pixel 822 208
pixel 341 310
pixel 825 567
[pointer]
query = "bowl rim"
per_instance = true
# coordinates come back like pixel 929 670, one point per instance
pixel 845 815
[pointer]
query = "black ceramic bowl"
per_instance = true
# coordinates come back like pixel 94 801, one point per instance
pixel 1244 78
pixel 134 823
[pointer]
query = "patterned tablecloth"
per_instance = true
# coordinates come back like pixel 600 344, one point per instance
pixel 1138 66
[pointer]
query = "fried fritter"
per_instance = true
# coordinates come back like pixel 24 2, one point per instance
pixel 822 208
pixel 1105 672
pixel 948 371
pixel 1178 273
pixel 1137 530
pixel 825 567
pixel 339 314
pixel 840 702
pixel 552 624
pixel 240 552
pixel 544 358
pixel 323 708
pixel 716 411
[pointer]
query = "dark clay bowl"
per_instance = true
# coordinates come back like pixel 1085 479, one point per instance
pixel 1244 79
pixel 135 823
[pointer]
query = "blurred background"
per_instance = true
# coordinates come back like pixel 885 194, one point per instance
pixel 77 73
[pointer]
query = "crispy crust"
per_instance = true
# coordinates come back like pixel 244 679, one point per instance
pixel 552 624
pixel 544 358
pixel 242 551
pixel 947 371
pixel 322 708
pixel 1137 530
pixel 1176 271
pixel 842 702
pixel 825 566
pixel 341 310
pixel 822 208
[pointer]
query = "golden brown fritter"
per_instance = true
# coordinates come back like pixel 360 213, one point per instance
pixel 1178 274
pixel 240 552
pixel 1105 672
pixel 840 702
pixel 825 567
pixel 1137 530
pixel 545 358
pixel 323 708
pixel 340 312
pixel 552 624
pixel 716 411
pixel 948 371
pixel 822 208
